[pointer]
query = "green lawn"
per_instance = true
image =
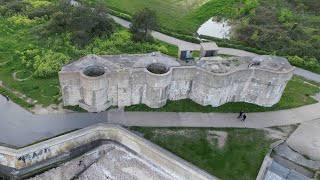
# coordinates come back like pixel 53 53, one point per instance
pixel 240 158
pixel 17 38
pixel 296 94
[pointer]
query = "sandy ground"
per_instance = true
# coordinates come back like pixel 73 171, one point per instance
pixel 109 161
pixel 280 133
pixel 51 109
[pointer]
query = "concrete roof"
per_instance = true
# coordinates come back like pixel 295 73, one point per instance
pixel 187 48
pixel 213 64
pixel 209 46
pixel 217 64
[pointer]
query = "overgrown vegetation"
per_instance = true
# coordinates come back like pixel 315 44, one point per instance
pixel 296 94
pixel 240 158
pixel 284 28
pixel 27 46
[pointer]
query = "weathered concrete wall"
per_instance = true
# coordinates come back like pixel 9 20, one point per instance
pixel 70 87
pixel 134 85
pixel 43 151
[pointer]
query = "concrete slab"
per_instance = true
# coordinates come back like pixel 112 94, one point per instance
pixel 306 139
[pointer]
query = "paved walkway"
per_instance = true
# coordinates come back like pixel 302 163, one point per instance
pixel 222 50
pixel 20 127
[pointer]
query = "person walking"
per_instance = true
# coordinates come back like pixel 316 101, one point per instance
pixel 240 114
pixel 7 97
pixel 244 117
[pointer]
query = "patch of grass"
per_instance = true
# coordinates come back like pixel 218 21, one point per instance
pixel 23 74
pixel 14 98
pixel 296 94
pixel 5 57
pixel 240 158
pixel 50 91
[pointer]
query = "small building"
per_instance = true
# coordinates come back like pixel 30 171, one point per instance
pixel 186 52
pixel 208 49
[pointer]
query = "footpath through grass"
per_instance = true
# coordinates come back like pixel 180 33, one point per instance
pixel 240 158
pixel 296 94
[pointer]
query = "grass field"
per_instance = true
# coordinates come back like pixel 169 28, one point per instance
pixel 17 38
pixel 179 15
pixel 240 158
pixel 296 94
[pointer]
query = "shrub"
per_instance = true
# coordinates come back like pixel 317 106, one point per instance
pixel 13 7
pixel 20 20
pixel 310 64
pixel 120 14
pixel 45 63
pixel 40 12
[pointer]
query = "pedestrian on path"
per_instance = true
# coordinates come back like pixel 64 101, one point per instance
pixel 7 97
pixel 244 117
pixel 240 114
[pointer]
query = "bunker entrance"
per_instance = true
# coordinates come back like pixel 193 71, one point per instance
pixel 94 71
pixel 157 68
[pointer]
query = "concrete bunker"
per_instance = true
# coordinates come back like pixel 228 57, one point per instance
pixel 97 83
pixel 158 68
pixel 94 71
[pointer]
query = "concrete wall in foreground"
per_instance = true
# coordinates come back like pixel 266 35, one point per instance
pixel 40 152
pixel 130 86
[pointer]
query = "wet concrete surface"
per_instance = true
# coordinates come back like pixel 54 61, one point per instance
pixel 19 127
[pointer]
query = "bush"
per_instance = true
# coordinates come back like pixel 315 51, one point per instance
pixel 45 63
pixel 310 64
pixel 13 7
pixel 40 12
pixel 120 14
pixel 20 20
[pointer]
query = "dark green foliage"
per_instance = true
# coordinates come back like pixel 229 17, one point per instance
pixel 281 27
pixel 84 22
pixel 307 5
pixel 9 7
pixel 40 12
pixel 143 23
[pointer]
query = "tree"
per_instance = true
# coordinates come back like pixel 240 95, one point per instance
pixel 143 23
pixel 84 22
